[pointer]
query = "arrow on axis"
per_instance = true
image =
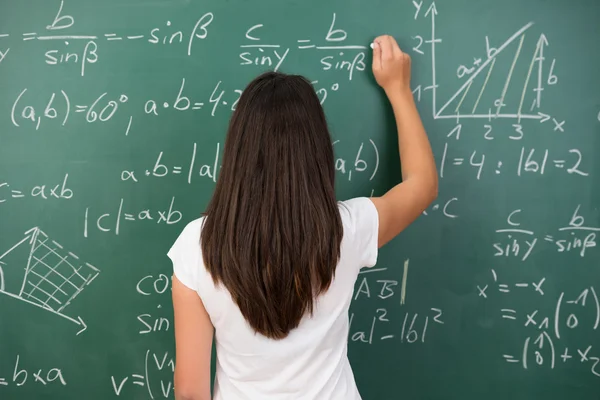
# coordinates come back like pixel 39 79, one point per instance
pixel 81 323
pixel 545 117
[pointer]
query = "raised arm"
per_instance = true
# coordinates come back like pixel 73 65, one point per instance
pixel 401 205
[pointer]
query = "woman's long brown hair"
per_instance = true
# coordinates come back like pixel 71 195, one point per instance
pixel 272 230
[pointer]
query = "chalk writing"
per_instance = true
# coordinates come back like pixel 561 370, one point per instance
pixel 149 323
pixel 30 373
pixel 543 347
pixel 45 192
pixel 184 37
pixel 146 119
pixel 52 276
pixel 530 161
pixel 153 285
pixel 383 325
pixel 57 109
pixel 111 221
pixel 519 242
pixel 162 366
pixel 357 164
pixel 191 169
pixel 448 208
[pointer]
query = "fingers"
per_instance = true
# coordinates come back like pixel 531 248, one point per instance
pixel 387 49
pixel 397 51
pixel 391 65
pixel 376 55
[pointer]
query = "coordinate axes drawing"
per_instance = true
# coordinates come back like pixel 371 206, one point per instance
pixel 52 276
pixel 479 76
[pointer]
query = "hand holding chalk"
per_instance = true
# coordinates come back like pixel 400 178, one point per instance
pixel 391 66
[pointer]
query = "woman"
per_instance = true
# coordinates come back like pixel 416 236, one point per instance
pixel 271 267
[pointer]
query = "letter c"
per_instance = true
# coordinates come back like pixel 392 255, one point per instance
pixel 510 218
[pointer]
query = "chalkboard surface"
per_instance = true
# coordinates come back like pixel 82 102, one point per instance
pixel 112 121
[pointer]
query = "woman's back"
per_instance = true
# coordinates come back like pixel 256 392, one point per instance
pixel 311 361
pixel 270 269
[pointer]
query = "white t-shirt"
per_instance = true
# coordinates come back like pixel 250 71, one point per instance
pixel 311 363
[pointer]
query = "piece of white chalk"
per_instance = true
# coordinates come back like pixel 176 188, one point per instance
pixel 373 45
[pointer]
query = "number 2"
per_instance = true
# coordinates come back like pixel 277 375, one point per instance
pixel 596 361
pixel 437 317
pixel 323 92
pixel 418 48
pixel 573 169
pixel 382 317
pixel 235 103
pixel 487 133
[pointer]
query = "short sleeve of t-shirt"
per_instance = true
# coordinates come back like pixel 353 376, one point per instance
pixel 361 217
pixel 185 255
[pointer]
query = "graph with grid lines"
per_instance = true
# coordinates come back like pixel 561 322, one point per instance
pixel 53 276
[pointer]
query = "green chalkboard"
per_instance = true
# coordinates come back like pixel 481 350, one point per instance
pixel 112 122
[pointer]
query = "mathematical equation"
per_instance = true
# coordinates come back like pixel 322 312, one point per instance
pixel 161 365
pixel 84 51
pixel 160 169
pixel 520 242
pixel 481 131
pixel 156 374
pixel 45 192
pixel 384 326
pixel 580 311
pixel 355 163
pixel 32 109
pixel 530 162
pixel 111 221
pixel 60 107
pixel 24 373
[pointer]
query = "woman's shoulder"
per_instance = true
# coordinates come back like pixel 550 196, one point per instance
pixel 357 210
pixel 361 229
pixel 192 230
pixel 188 242
pixel 355 202
pixel 185 253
